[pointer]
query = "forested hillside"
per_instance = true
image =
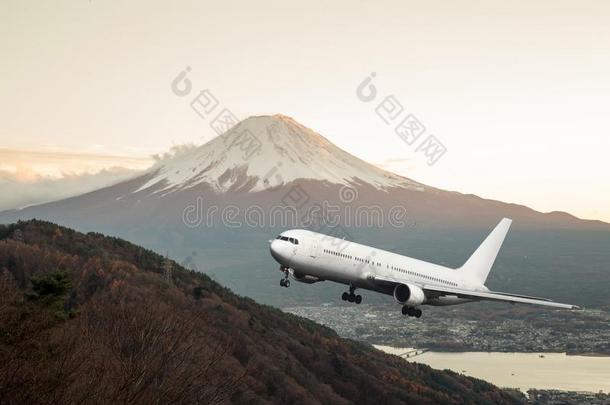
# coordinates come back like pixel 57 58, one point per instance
pixel 92 319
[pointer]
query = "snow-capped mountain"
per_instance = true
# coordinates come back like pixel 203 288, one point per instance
pixel 265 152
pixel 257 163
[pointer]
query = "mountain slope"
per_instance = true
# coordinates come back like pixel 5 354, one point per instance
pixel 262 152
pixel 87 318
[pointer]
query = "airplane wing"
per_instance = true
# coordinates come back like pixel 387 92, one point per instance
pixel 436 291
pixel 496 296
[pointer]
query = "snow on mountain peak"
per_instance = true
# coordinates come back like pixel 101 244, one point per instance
pixel 263 152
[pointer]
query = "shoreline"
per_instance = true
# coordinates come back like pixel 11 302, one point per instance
pixel 435 349
pixel 523 370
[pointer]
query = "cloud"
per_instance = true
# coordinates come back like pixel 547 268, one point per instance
pixel 24 187
pixel 34 164
pixel 401 165
pixel 176 152
pixel 31 178
pixel 35 177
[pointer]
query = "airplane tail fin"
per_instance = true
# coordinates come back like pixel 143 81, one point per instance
pixel 479 264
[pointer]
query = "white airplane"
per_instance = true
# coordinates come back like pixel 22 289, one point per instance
pixel 311 257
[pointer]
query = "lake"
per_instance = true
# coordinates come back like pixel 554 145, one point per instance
pixel 522 370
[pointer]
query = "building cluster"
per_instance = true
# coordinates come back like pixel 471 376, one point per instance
pixel 556 397
pixel 453 329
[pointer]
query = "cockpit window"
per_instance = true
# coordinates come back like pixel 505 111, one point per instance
pixel 287 239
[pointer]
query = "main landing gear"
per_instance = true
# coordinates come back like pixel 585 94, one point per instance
pixel 285 282
pixel 351 297
pixel 411 311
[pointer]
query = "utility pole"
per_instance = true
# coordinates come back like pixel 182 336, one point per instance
pixel 167 271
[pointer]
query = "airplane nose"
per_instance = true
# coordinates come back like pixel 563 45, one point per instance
pixel 280 251
pixel 274 249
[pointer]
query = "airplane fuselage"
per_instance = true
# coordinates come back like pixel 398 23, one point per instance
pixel 311 257
pixel 319 257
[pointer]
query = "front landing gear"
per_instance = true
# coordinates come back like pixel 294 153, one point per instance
pixel 416 312
pixel 285 282
pixel 351 297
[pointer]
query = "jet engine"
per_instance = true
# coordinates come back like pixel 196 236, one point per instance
pixel 409 294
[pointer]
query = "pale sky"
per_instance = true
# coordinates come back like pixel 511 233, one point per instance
pixel 518 92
